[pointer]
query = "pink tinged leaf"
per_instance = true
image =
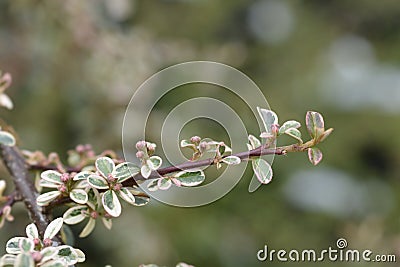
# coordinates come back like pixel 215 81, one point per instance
pixel 314 123
pixel 24 260
pixel 82 175
pixel 326 134
pixel 154 162
pixel 289 124
pixel 164 183
pixel 254 142
pixel 268 118
pixel 176 182
pixel 262 170
pixel 12 246
pixel 314 155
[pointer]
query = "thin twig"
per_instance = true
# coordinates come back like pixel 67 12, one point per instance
pixel 12 198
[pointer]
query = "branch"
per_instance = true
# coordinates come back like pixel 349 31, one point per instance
pixel 246 155
pixel 11 200
pixel 18 169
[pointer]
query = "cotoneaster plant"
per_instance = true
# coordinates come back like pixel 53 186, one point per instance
pixel 91 186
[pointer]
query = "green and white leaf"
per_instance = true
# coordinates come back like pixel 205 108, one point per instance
pixel 67 255
pixel 314 155
pixel 145 170
pixel 124 171
pixel 105 166
pixel 254 142
pixel 7 139
pixel 293 132
pixel 287 125
pixel 268 118
pixel 75 214
pixel 47 184
pixel 79 196
pixel 231 160
pixel 164 183
pixel 53 228
pixel 48 253
pixel 46 198
pixel 186 143
pixel 82 175
pixel 12 245
pixel 152 186
pixel 7 260
pixel 126 195
pixel 88 228
pixel 154 162
pixel 111 203
pixel 190 178
pixel 315 123
pixel 97 181
pixel 80 254
pixel 26 245
pixel 32 231
pixel 141 201
pixel 52 176
pixel 24 260
pixel 262 170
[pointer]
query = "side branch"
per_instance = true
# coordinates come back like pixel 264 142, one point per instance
pixel 18 169
pixel 260 151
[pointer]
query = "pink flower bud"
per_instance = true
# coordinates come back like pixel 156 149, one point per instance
pixel 151 147
pixel 47 242
pixel 195 139
pixel 37 257
pixel 88 147
pixel 65 177
pixel 62 188
pixel 111 178
pixel 275 129
pixel 80 148
pixel 140 145
pixel 94 215
pixel 117 187
pixel 203 146
pixel 140 154
pixel 36 241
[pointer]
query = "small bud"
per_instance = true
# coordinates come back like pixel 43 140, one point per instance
pixel 36 241
pixel 117 187
pixel 151 147
pixel 47 242
pixel 80 148
pixel 65 177
pixel 203 146
pixel 88 147
pixel 140 145
pixel 275 129
pixel 62 188
pixel 195 139
pixel 36 256
pixel 94 215
pixel 111 178
pixel 140 154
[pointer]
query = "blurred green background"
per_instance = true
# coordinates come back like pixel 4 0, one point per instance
pixel 75 64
